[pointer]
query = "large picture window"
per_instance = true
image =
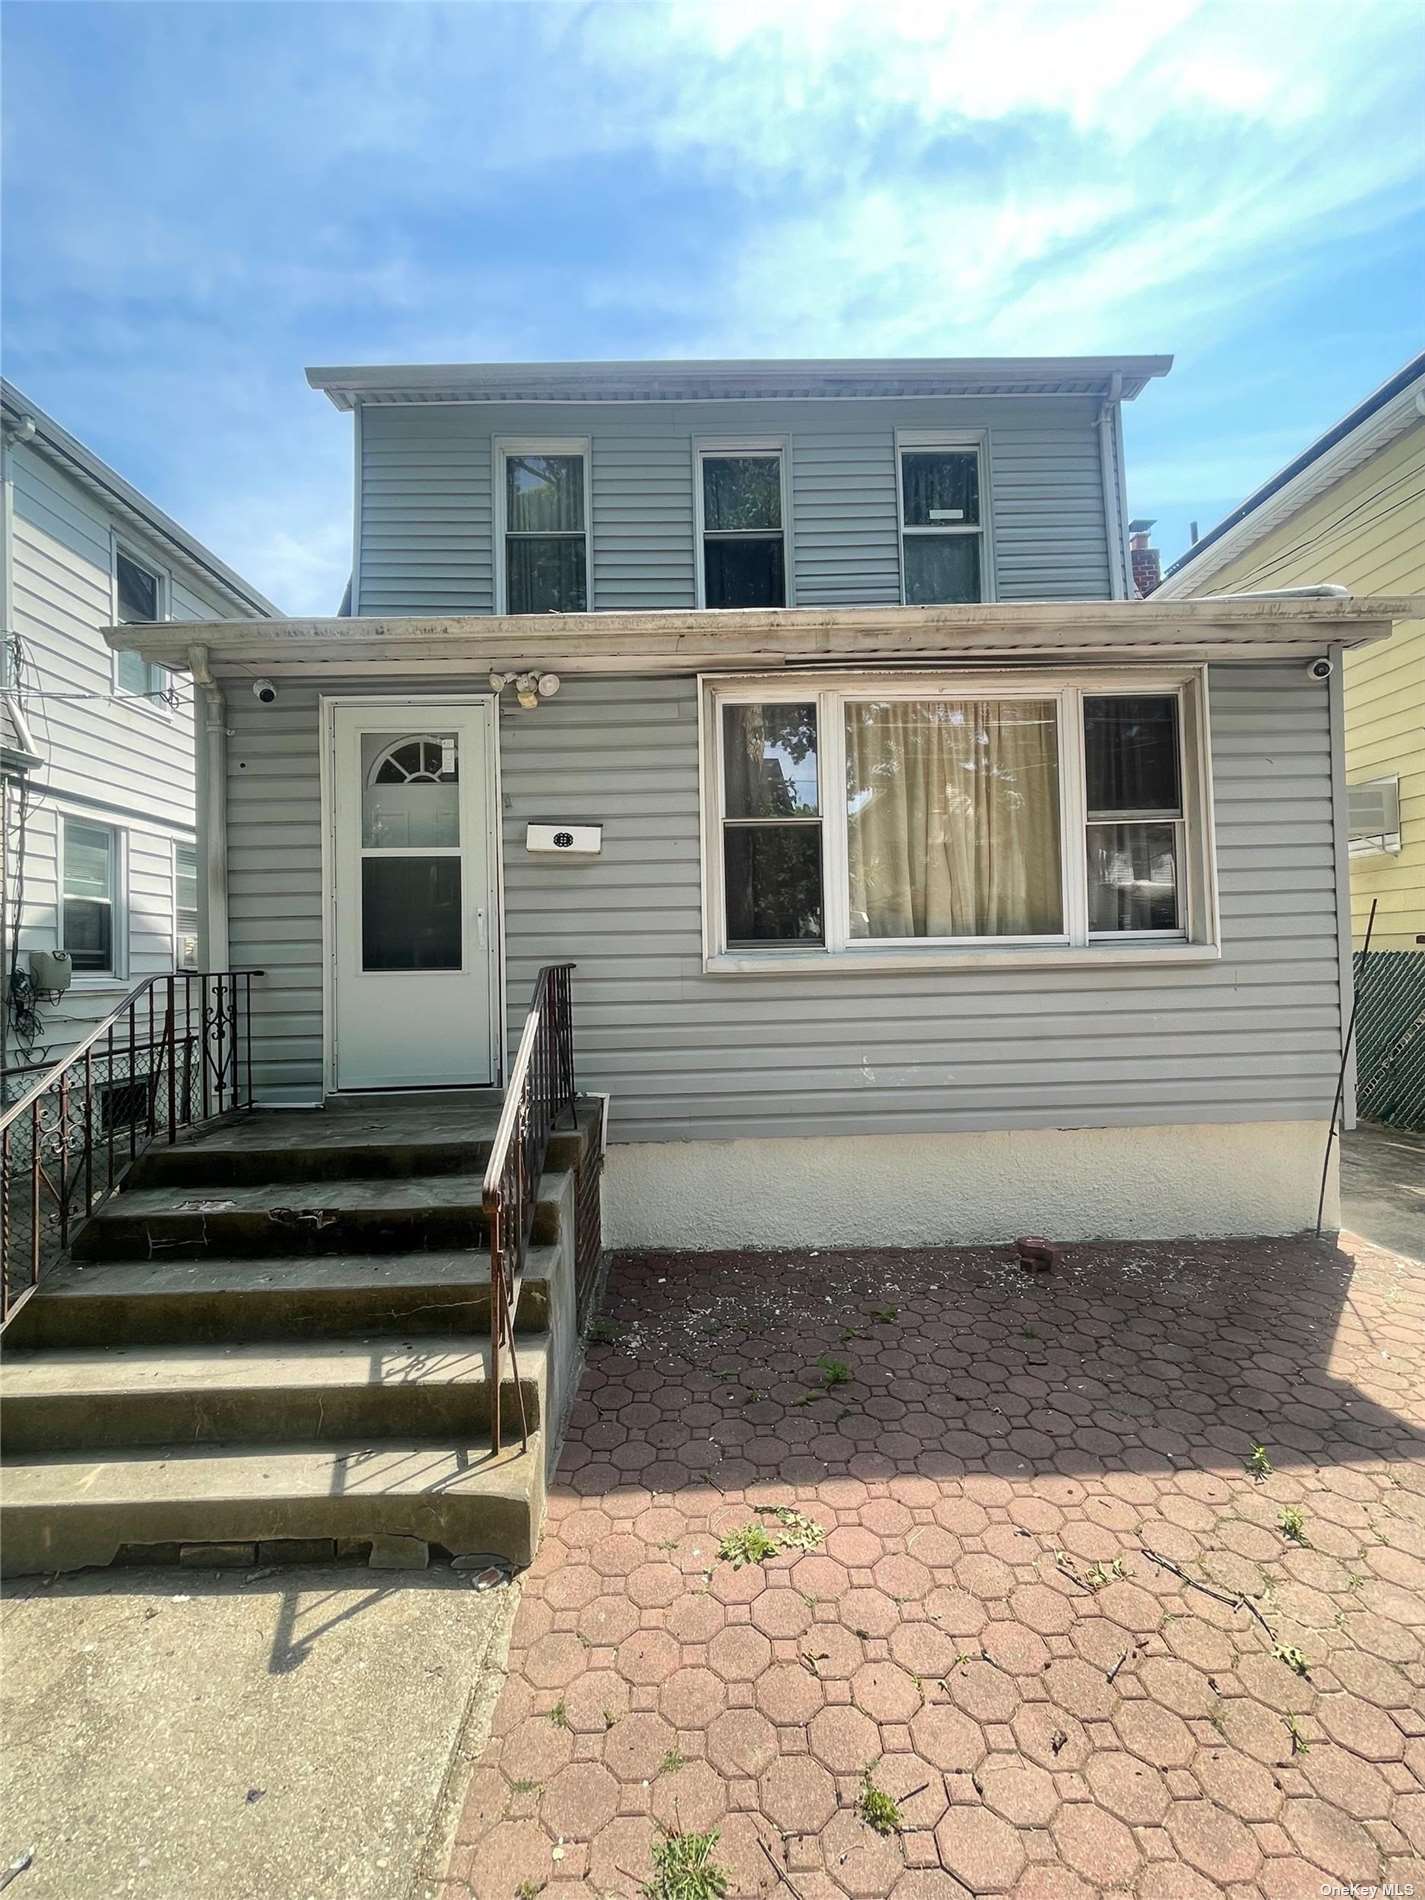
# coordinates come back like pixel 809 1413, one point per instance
pixel 1043 811
pixel 543 527
pixel 741 513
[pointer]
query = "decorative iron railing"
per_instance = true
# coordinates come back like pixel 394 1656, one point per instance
pixel 540 1089
pixel 175 1053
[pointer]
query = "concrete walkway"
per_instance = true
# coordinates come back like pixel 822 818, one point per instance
pixel 1383 1187
pixel 1039 1590
pixel 178 1735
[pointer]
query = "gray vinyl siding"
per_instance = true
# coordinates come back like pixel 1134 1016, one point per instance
pixel 426 517
pixel 685 1055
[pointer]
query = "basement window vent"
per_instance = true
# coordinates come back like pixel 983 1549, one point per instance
pixel 122 1104
pixel 1373 817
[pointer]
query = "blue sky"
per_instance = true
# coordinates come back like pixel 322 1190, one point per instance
pixel 201 199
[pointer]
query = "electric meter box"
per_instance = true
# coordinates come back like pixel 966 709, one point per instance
pixel 564 841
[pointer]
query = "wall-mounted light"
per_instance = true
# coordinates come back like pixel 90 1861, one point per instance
pixel 529 687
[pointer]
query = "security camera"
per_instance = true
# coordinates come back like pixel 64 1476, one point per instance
pixel 1318 669
pixel 267 692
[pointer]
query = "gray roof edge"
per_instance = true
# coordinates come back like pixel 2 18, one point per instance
pixel 347 384
pixel 70 449
pixel 1339 432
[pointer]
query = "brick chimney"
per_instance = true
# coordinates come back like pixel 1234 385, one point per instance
pixel 1147 562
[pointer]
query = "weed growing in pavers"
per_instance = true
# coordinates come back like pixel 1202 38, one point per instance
pixel 526 1787
pixel 606 1332
pixel 1258 1465
pixel 754 1543
pixel 1299 1743
pixel 749 1545
pixel 609 1719
pixel 885 1315
pixel 671 1763
pixel 847 1337
pixel 799 1532
pixel 1289 1654
pixel 876 1808
pixel 1293 1524
pixel 559 1714
pixel 1215 1716
pixel 530 1889
pixel 834 1371
pixel 1106 1573
pixel 684 1868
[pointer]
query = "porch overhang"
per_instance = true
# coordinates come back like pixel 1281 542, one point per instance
pixel 686 642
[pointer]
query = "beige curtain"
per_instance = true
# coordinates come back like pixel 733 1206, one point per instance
pixel 953 818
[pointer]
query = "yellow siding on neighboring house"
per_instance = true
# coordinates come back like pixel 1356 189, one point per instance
pixel 1368 533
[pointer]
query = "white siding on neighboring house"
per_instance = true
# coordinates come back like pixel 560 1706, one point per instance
pixel 685 1055
pixel 426 520
pixel 106 758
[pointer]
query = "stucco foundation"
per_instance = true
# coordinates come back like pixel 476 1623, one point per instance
pixel 962 1189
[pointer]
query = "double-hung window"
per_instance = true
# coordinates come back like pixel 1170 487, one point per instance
pixel 956 813
pixel 185 906
pixel 742 526
pixel 138 601
pixel 89 922
pixel 542 522
pixel 944 548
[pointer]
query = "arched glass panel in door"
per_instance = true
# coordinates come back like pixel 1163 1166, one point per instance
pixel 410 851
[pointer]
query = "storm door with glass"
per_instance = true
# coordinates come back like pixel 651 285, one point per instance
pixel 412 918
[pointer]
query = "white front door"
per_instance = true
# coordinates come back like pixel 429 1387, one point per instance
pixel 412 937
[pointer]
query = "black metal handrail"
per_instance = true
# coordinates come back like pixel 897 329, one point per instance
pixel 176 1052
pixel 540 1088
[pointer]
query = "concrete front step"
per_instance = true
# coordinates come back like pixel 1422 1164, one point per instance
pixel 301 1217
pixel 273 1394
pixel 277 1296
pixel 66 1510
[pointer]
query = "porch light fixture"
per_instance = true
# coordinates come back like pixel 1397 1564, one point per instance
pixel 530 688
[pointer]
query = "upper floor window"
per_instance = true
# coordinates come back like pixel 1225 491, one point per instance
pixel 741 520
pixel 90 901
pixel 138 601
pixel 943 556
pixel 543 527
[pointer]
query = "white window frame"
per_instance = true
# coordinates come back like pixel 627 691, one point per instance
pixel 504 447
pixel 1196 941
pixel 189 844
pixel 976 441
pixel 721 446
pixel 158 676
pixel 118 899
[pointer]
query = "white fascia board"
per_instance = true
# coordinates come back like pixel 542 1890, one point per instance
pixel 813 377
pixel 684 642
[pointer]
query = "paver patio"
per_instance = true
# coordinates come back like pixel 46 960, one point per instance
pixel 1059 1713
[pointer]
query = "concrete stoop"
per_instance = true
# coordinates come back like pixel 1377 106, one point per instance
pixel 275 1339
